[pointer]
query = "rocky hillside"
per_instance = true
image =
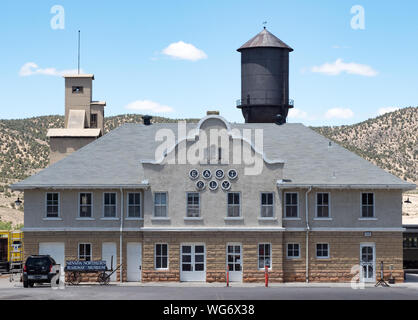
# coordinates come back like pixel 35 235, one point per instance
pixel 389 141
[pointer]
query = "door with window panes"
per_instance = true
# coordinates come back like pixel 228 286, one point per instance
pixel 193 262
pixel 234 261
pixel 368 262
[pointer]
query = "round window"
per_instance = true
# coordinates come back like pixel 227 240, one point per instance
pixel 232 174
pixel 219 174
pixel 213 185
pixel 226 185
pixel 200 185
pixel 194 174
pixel 207 174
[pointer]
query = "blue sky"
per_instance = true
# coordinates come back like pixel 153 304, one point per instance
pixel 339 75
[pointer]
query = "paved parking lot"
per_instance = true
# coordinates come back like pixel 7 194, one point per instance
pixel 176 291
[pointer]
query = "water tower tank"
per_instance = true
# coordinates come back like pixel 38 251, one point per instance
pixel 264 79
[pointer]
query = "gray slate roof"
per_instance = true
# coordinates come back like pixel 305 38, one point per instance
pixel 114 160
pixel 265 39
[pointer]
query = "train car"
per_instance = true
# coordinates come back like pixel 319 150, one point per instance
pixel 11 250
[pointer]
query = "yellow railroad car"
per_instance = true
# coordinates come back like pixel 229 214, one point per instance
pixel 11 250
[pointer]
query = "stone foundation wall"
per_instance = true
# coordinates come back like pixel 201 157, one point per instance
pixel 344 253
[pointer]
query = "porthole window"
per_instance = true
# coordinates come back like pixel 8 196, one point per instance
pixel 226 185
pixel 232 174
pixel 219 174
pixel 200 185
pixel 207 174
pixel 213 185
pixel 194 174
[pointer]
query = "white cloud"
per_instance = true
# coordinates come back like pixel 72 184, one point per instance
pixel 297 114
pixel 147 105
pixel 31 68
pixel 382 111
pixel 184 51
pixel 339 113
pixel 339 66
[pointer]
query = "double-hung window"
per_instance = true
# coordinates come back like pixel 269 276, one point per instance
pixel 161 256
pixel 134 205
pixel 264 255
pixel 86 205
pixel 367 205
pixel 267 205
pixel 160 204
pixel 109 205
pixel 322 205
pixel 291 205
pixel 52 205
pixel 84 252
pixel 234 204
pixel 193 205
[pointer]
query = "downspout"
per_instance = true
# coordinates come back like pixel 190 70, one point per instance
pixel 121 236
pixel 307 233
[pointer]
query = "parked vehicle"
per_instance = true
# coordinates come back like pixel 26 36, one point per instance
pixel 39 269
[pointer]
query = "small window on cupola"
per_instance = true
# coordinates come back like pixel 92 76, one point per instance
pixel 77 89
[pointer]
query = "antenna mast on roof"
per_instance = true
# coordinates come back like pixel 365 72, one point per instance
pixel 78 52
pixel 265 24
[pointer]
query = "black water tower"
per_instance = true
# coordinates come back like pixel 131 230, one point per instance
pixel 265 79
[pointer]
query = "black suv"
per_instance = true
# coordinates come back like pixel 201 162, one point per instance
pixel 39 269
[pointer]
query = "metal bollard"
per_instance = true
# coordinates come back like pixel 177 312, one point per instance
pixel 227 276
pixel 267 277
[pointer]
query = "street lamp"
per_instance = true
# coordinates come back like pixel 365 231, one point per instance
pixel 18 202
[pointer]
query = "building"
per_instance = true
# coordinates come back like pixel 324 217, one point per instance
pixel 410 247
pixel 84 118
pixel 169 204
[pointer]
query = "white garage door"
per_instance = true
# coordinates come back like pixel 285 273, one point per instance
pixel 54 249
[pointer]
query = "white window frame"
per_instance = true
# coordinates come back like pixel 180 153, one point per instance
pixel 285 217
pixel 140 207
pixel 235 244
pixel 270 255
pixel 187 205
pixel 272 205
pixel 329 207
pixel 361 207
pixel 227 206
pixel 78 250
pixel 46 207
pixel 166 205
pixel 316 251
pixel 155 256
pixel 79 206
pixel 287 251
pixel 116 206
